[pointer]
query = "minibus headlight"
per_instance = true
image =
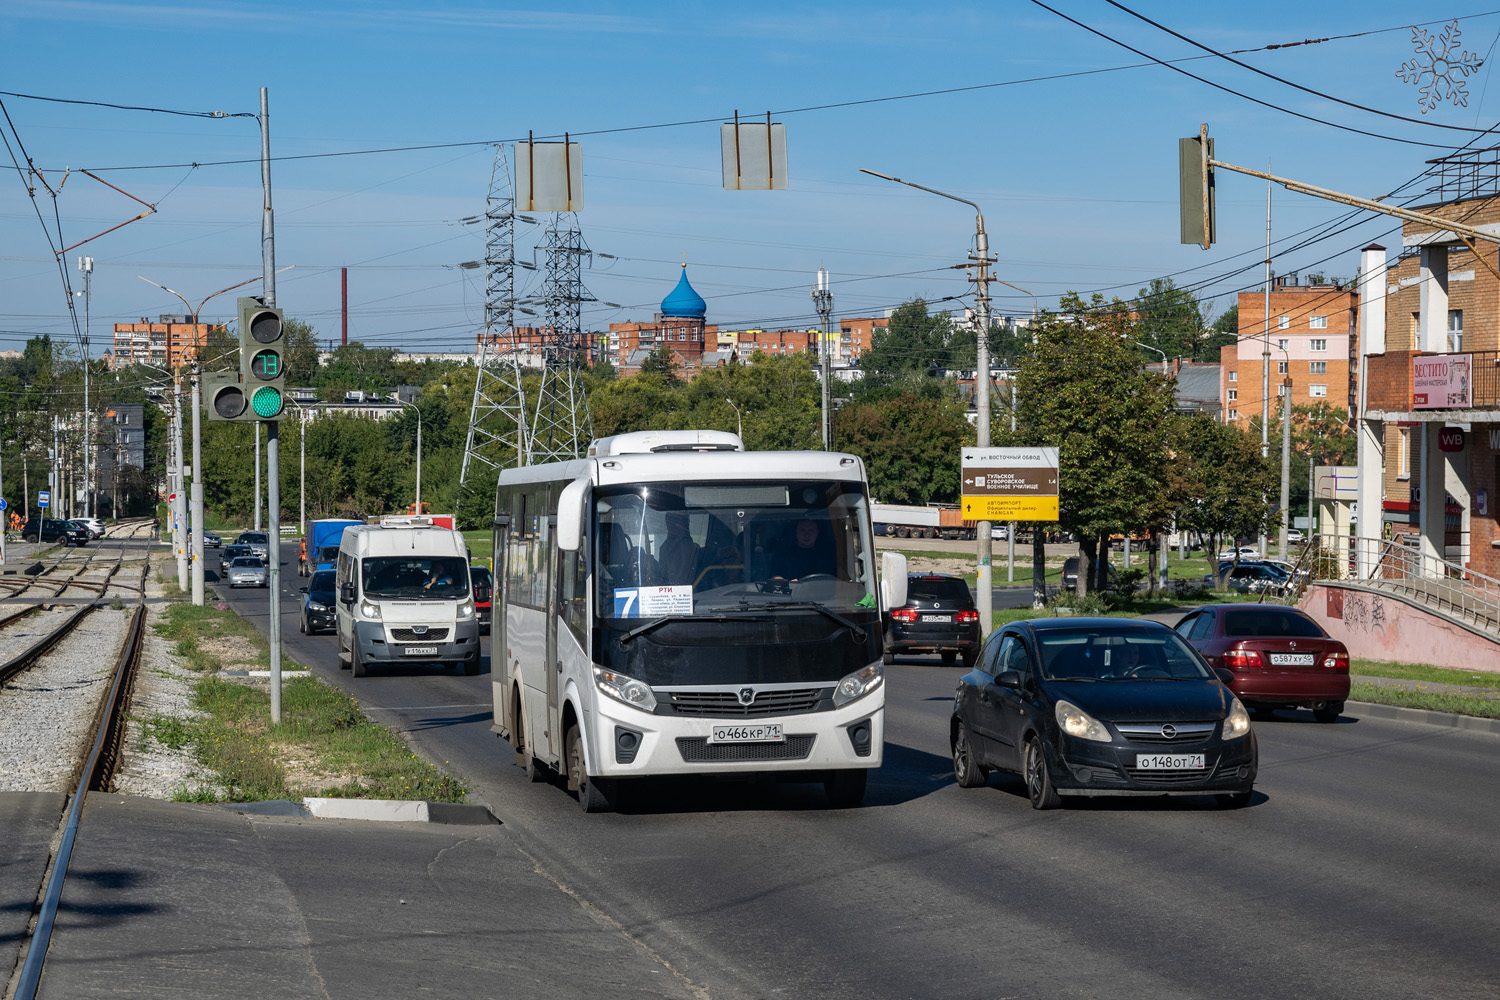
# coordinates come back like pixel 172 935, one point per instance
pixel 636 694
pixel 858 684
pixel 369 609
pixel 466 609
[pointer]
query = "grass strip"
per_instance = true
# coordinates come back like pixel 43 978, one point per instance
pixel 324 744
pixel 1432 675
pixel 1457 704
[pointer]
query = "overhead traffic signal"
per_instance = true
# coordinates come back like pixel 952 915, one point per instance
pixel 1197 204
pixel 262 359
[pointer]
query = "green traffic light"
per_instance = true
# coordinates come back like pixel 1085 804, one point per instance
pixel 266 401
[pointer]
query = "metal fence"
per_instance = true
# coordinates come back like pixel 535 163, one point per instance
pixel 1398 568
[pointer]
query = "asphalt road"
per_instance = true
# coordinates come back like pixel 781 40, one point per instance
pixel 1365 867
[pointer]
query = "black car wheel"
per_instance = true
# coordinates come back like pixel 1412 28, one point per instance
pixel 950 657
pixel 1038 781
pixel 966 769
pixel 887 657
pixel 302 624
pixel 970 658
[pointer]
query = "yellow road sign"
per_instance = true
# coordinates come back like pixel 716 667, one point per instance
pixel 988 508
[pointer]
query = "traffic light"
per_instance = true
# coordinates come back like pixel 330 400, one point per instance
pixel 262 359
pixel 1197 204
pixel 224 397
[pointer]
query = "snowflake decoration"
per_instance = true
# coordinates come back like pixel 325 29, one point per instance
pixel 1434 69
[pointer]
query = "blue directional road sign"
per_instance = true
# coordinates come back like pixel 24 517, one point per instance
pixel 43 498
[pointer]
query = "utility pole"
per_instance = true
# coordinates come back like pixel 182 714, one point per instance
pixel 86 265
pixel 1286 459
pixel 980 255
pixel 1265 363
pixel 195 497
pixel 823 303
pixel 273 445
pixel 179 506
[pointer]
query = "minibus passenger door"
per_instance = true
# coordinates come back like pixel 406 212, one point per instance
pixel 500 675
pixel 551 666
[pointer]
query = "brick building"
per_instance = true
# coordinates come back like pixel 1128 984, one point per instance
pixel 1313 340
pixel 1430 427
pixel 170 342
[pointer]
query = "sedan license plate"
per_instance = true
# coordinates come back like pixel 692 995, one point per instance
pixel 937 618
pixel 1291 659
pixel 770 733
pixel 421 650
pixel 1169 761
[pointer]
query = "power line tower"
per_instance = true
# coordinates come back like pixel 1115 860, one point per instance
pixel 497 435
pixel 561 427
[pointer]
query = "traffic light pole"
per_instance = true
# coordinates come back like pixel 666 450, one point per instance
pixel 273 444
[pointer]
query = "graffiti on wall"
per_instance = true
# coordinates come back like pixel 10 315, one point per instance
pixel 1363 612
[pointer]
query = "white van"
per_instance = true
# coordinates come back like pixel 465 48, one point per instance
pixel 403 596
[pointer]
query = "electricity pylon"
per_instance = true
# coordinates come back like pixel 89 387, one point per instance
pixel 497 436
pixel 561 427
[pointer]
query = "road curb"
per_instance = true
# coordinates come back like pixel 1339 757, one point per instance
pixel 373 810
pixel 1446 719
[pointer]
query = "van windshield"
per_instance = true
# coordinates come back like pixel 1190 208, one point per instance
pixel 416 577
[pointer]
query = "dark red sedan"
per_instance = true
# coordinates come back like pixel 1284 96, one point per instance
pixel 1280 657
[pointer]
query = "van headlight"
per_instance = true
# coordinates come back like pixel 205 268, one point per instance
pixel 1237 722
pixel 636 694
pixel 465 609
pixel 1076 722
pixel 858 684
pixel 369 609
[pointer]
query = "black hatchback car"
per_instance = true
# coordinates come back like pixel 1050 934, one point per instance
pixel 938 617
pixel 317 604
pixel 1101 706
pixel 483 585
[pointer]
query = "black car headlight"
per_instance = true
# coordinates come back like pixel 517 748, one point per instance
pixel 1237 722
pixel 1076 722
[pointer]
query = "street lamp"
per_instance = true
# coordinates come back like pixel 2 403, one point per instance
pixel 981 257
pixel 739 422
pixel 418 508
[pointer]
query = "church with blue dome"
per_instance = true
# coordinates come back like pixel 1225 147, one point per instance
pixel 680 326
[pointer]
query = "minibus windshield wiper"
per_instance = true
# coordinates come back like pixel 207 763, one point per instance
pixel 664 619
pixel 822 609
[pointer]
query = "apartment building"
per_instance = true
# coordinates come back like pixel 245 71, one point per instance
pixel 1313 337
pixel 170 342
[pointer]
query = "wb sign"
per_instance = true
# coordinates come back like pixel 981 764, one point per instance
pixel 1451 439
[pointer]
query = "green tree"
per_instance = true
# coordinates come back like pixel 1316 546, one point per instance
pixel 1220 483
pixel 662 364
pixel 301 353
pixel 913 344
pixel 1083 389
pixel 911 445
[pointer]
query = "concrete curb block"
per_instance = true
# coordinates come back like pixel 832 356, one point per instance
pixel 374 810
pixel 1422 715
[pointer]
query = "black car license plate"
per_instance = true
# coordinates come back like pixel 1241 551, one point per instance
pixel 937 618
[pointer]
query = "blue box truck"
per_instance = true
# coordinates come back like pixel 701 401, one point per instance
pixel 320 548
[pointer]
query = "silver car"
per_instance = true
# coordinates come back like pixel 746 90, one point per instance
pixel 247 571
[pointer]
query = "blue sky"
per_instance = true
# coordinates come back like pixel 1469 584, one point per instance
pixel 1076 173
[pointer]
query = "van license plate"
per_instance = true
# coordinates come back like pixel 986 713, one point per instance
pixel 747 734
pixel 421 650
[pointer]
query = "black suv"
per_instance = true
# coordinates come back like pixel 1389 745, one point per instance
pixel 938 617
pixel 47 529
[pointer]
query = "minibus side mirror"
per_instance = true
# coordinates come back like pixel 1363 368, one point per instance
pixel 892 580
pixel 346 593
pixel 571 508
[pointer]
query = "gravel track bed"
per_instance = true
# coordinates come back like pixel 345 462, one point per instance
pixel 47 713
pixel 17 636
pixel 163 690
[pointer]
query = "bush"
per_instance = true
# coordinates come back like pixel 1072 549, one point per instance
pixel 1088 604
pixel 1122 585
pixel 1189 590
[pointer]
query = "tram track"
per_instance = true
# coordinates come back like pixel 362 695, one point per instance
pixel 94 769
pixel 47 582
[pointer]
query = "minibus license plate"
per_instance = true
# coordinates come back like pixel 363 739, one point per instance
pixel 421 650
pixel 746 734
